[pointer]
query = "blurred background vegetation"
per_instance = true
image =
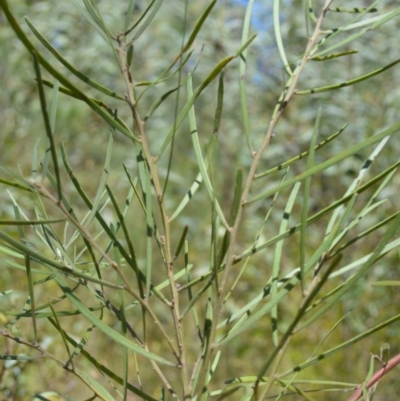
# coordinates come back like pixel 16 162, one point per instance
pixel 368 107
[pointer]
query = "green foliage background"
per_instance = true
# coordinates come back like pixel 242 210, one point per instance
pixel 367 107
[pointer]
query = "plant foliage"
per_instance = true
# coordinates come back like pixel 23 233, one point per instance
pixel 217 251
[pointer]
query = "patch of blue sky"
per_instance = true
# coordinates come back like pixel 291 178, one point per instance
pixel 262 23
pixel 261 17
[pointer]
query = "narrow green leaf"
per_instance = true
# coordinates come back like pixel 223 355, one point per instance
pixel 254 249
pixel 31 293
pixel 245 45
pixel 53 113
pixel 288 285
pixel 120 339
pixel 301 155
pixel 145 182
pixel 278 37
pixel 47 124
pixel 388 248
pixel 163 78
pixel 353 223
pixel 356 182
pixel 56 74
pixel 34 168
pixel 157 103
pixel 60 330
pixel 127 238
pixel 93 11
pixel 393 129
pixel 107 371
pixel 208 323
pixel 181 241
pixel 311 13
pixel 350 283
pixel 335 55
pixel 289 331
pixel 364 234
pixel 69 66
pixel 347 83
pixel 89 204
pixel 41 315
pixel 5 222
pixel 198 26
pixel 242 72
pixel 155 5
pixel 307 189
pixel 387 283
pixel 129 14
pixel 89 18
pixel 38 257
pixel 177 276
pixel 277 261
pixel 95 385
pixel 16 185
pixel 341 346
pixel 103 179
pixel 210 148
pixel 18 357
pixel 191 101
pixel 354 10
pixel 205 394
pixel 237 196
pixel 136 23
pixel 267 289
pixel 380 19
pixel 371 23
pixel 194 298
pixel 200 159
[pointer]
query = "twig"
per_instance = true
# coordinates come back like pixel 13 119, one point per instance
pixel 284 100
pixel 86 234
pixel 155 179
pixel 393 362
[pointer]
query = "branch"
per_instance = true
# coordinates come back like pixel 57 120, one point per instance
pixel 375 378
